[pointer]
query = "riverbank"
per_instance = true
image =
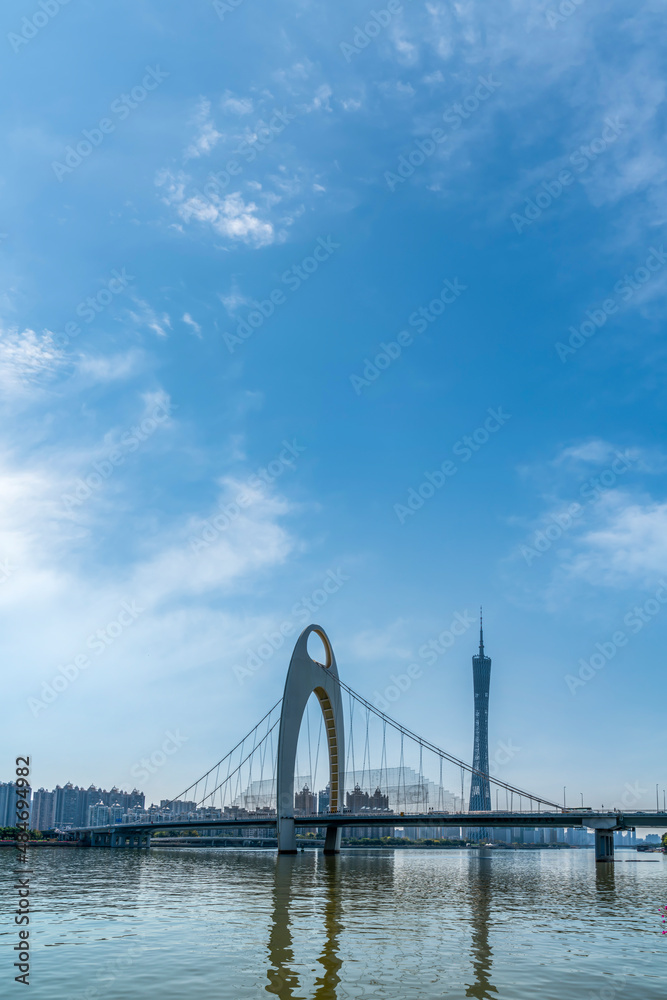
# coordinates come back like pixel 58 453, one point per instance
pixel 40 843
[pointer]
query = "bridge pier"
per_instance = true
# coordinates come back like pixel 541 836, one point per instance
pixel 117 838
pixel 604 828
pixel 604 845
pixel 286 835
pixel 100 839
pixel 332 840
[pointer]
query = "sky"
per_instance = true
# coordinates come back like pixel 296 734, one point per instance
pixel 297 294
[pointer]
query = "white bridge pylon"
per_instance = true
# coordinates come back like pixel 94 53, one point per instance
pixel 305 676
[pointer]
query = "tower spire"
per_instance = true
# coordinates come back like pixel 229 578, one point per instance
pixel 480 791
pixel 481 633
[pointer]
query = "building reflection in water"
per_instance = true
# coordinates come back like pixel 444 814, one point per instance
pixel 479 881
pixel 283 980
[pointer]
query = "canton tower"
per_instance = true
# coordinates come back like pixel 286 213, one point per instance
pixel 480 792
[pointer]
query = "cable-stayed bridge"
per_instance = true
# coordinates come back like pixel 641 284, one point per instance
pixel 378 775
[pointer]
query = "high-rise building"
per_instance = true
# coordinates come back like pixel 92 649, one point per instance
pixel 323 799
pixel 177 807
pixel 42 816
pixel 98 814
pixel 480 791
pixel 68 806
pixel 407 790
pixel 305 802
pixel 8 797
pixel 358 800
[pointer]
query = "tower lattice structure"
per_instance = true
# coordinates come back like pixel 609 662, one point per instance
pixel 480 791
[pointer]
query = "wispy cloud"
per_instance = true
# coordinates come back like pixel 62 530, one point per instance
pixel 598 524
pixel 234 299
pixel 229 216
pixel 382 644
pixel 253 542
pixel 194 326
pixel 109 368
pixel 628 550
pixel 27 359
pixel 236 105
pixel 207 135
pixel 145 316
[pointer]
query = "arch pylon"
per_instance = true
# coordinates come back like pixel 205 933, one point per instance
pixel 304 677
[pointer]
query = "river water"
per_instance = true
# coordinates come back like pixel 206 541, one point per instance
pixel 214 923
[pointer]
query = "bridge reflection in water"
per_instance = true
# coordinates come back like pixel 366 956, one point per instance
pixel 287 945
pixel 282 975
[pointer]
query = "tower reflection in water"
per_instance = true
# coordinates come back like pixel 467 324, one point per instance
pixel 283 980
pixel 306 926
pixel 479 881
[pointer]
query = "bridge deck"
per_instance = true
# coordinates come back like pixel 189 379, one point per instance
pixel 562 820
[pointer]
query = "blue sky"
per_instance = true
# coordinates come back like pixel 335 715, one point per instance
pixel 212 221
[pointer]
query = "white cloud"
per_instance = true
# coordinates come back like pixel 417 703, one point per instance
pixel 41 542
pixel 598 526
pixel 109 368
pixel 594 451
pixel 186 623
pixel 406 51
pixel 228 216
pixel 249 543
pixel 320 100
pixel 233 299
pixel 383 644
pixel 236 105
pixel 145 315
pixel 599 453
pixel 207 136
pixel 196 329
pixel 629 549
pixel 27 359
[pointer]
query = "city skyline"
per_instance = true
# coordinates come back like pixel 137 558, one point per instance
pixel 502 752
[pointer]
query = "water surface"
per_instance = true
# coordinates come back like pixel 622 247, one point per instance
pixel 213 923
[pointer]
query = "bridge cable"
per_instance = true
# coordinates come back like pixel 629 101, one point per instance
pixel 238 775
pixel 222 759
pixel 440 802
pixel 367 756
pixel 274 758
pixel 354 765
pixel 237 769
pixel 310 756
pixel 383 759
pixel 317 752
pixel 421 774
pixel 438 750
